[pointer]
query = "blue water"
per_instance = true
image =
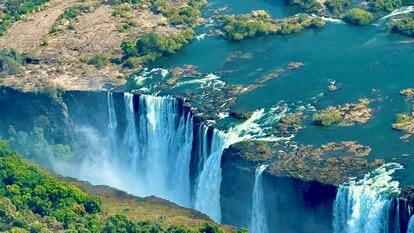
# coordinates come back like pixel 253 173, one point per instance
pixel 365 62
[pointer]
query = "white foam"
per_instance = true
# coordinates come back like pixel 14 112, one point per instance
pixel 259 126
pixel 363 206
pixel 258 220
pixel 208 80
pixel 201 36
pixel 399 11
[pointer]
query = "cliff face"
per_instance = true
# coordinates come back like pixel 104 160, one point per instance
pixel 27 110
pixel 292 205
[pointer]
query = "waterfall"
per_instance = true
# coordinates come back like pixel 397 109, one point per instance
pixel 154 155
pixel 112 116
pixel 411 225
pixel 207 196
pixel 364 206
pixel 155 152
pixel 130 140
pixel 258 220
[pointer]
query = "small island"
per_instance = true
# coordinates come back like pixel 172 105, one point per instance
pixel 346 115
pixel 258 23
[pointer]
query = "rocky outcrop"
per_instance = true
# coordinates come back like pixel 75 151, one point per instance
pixel 345 115
pixel 333 163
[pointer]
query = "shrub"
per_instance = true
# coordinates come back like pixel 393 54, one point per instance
pixel 13 11
pixel 99 61
pixel 259 23
pixel 187 14
pixel 133 62
pixel 311 5
pixel 403 118
pixel 10 61
pixel 386 5
pixel 247 26
pixel 122 10
pixel 27 187
pixel 359 17
pixel 116 2
pixel 210 228
pixel 151 46
pixel 403 26
pixel 327 117
pixel 337 6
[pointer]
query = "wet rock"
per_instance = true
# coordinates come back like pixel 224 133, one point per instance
pixel 409 92
pixel 181 72
pixel 272 75
pixel 349 146
pixel 240 115
pixel 332 163
pixel 290 124
pixel 332 86
pixel 405 123
pixel 295 65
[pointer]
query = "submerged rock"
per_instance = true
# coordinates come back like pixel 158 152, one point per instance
pixel 295 65
pixel 241 115
pixel 181 72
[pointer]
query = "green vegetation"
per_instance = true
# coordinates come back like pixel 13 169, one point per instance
pixel 311 5
pixel 65 21
pixel 122 11
pixel 31 200
pixel 403 26
pixel 404 122
pixel 34 146
pixel 337 6
pixel 116 2
pixel 186 14
pixel 151 46
pixel 10 61
pixel 259 23
pixel 359 17
pixel 126 26
pixel 248 26
pixel 99 61
pixel 328 117
pixel 14 10
pixel 386 5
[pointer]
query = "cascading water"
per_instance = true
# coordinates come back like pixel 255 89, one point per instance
pixel 156 151
pixel 207 199
pixel 258 220
pixel 364 206
pixel 411 225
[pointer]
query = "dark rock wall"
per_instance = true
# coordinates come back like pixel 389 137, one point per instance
pixel 293 206
pixel 28 110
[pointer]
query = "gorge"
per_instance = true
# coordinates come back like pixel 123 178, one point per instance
pixel 136 137
pixel 217 116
